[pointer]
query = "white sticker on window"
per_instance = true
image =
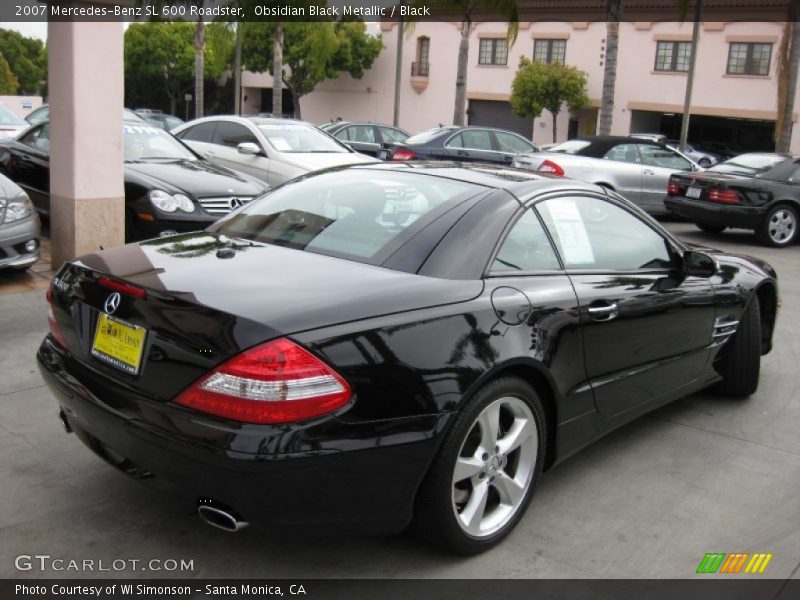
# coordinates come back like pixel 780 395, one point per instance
pixel 571 232
pixel 280 144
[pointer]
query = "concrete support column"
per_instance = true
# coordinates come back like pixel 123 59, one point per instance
pixel 86 87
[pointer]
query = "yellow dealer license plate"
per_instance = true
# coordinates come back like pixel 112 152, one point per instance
pixel 119 344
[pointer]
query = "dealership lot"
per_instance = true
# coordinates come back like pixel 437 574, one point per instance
pixel 705 474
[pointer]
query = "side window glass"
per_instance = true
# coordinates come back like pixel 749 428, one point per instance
pixel 526 248
pixel 656 156
pixel 361 133
pixel 232 134
pixel 477 139
pixel 30 138
pixel 392 135
pixel 456 142
pixel 512 143
pixel 624 153
pixel 202 132
pixel 43 139
pixel 594 234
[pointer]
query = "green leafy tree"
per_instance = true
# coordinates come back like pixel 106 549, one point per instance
pixel 466 11
pixel 8 81
pixel 312 52
pixel 162 55
pixel 539 86
pixel 27 59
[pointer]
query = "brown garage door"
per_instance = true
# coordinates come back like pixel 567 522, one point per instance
pixel 491 113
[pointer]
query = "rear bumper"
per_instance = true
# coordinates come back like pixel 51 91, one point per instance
pixel 251 469
pixel 700 211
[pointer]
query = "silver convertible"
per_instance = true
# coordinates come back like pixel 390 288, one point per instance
pixel 636 168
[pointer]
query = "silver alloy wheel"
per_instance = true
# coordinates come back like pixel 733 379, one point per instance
pixel 495 467
pixel 781 226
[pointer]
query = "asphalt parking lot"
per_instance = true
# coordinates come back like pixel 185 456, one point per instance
pixel 705 474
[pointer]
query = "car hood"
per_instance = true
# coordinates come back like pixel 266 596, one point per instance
pixel 198 179
pixel 313 161
pixel 8 189
pixel 293 291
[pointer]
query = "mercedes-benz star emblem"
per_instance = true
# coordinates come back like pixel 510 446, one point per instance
pixel 112 303
pixel 236 202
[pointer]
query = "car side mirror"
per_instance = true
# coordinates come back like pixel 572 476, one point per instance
pixel 699 264
pixel 249 148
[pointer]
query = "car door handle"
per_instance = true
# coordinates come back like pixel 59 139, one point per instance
pixel 602 310
pixel 462 153
pixel 648 172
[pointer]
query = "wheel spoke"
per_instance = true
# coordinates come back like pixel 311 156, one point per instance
pixel 510 491
pixel 520 431
pixel 466 467
pixel 473 512
pixel 489 421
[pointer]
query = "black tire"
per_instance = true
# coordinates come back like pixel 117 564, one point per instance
pixel 779 226
pixel 740 364
pixel 435 517
pixel 709 228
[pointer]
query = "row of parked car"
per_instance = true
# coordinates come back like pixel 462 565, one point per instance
pixel 183 176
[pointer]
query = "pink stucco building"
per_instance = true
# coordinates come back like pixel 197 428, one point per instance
pixel 734 100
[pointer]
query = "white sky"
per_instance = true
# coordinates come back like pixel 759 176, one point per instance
pixel 29 29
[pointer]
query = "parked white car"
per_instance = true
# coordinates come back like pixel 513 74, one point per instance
pixel 274 150
pixel 637 168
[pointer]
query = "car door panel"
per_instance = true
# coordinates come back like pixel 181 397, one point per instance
pixel 646 326
pixel 658 163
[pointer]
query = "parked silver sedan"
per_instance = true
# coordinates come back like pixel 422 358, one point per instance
pixel 636 168
pixel 19 227
pixel 274 150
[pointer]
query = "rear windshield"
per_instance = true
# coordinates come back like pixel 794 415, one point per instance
pixel 749 164
pixel 570 147
pixel 426 136
pixel 350 214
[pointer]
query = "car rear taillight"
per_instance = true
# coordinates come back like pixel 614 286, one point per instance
pixel 548 166
pixel 276 382
pixel 723 196
pixel 674 189
pixel 122 287
pixel 55 330
pixel 403 154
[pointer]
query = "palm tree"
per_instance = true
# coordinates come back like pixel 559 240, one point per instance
pixel 199 64
pixel 465 11
pixel 788 63
pixel 683 9
pixel 613 15
pixel 277 71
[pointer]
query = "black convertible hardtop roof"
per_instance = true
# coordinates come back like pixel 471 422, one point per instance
pixel 519 182
pixel 600 144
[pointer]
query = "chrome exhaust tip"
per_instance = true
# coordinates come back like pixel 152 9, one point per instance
pixel 221 518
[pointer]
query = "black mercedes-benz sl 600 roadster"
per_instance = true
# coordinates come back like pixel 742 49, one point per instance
pixel 384 346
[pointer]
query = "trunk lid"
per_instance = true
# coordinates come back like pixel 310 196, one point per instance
pixel 207 298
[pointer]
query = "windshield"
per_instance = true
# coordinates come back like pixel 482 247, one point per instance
pixel 749 164
pixel 351 214
pixel 425 136
pixel 570 147
pixel 145 142
pixel 298 137
pixel 9 117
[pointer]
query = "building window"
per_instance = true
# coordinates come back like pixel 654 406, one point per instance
pixel 673 56
pixel 493 52
pixel 422 65
pixel 550 51
pixel 749 58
